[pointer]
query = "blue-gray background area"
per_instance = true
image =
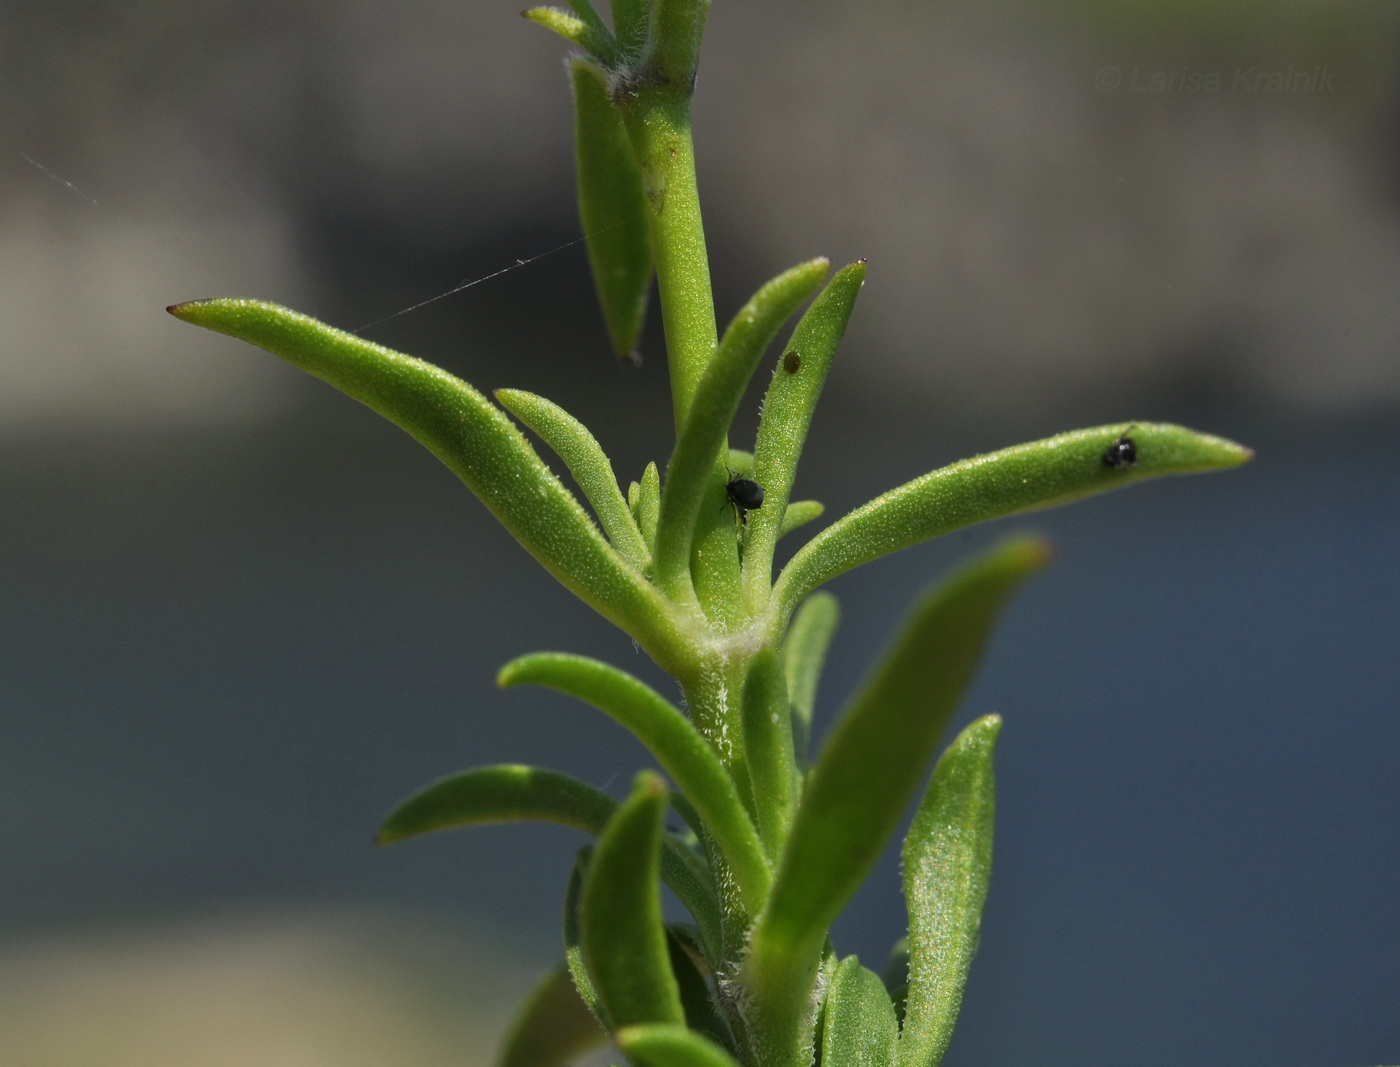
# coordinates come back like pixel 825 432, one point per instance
pixel 234 632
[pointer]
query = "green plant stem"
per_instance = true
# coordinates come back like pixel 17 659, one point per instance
pixel 657 117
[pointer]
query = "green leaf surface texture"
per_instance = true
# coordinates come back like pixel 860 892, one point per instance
pixel 866 773
pixel 671 1046
pixel 804 655
pixel 1036 475
pixel 623 934
pixel 800 513
pixel 512 793
pixel 702 439
pixel 501 793
pixel 476 441
pixel 612 209
pixel 587 462
pixel 767 722
pixel 947 866
pixel 669 736
pixel 859 1028
pixel 552 1028
pixel 572 28
pixel 787 415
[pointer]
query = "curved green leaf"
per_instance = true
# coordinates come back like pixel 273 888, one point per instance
pixel 804 655
pixel 787 414
pixel 800 513
pixel 476 441
pixel 859 1028
pixel 552 1027
pixel 767 721
pixel 695 461
pixel 612 208
pixel 669 736
pixel 623 935
pixel 503 793
pixel 573 938
pixel 587 462
pixel 1036 475
pixel 868 769
pixel 575 29
pixel 511 793
pixel 947 865
pixel 671 1046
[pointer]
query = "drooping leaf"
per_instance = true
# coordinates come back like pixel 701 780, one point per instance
pixel 767 722
pixel 787 414
pixel 671 1046
pixel 694 463
pixel 947 865
pixel 623 934
pixel 859 1028
pixel 552 1028
pixel 1036 475
pixel 669 736
pixel 804 655
pixel 587 462
pixel 501 793
pixel 512 792
pixel 612 209
pixel 867 771
pixel 477 442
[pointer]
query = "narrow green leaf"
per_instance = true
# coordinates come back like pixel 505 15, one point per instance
pixel 552 1028
pixel 649 505
pixel 1036 475
pixel 588 464
pixel 896 976
pixel 573 938
pixel 502 793
pixel 634 490
pixel 671 1046
pixel 629 18
pixel 799 513
pixel 612 209
pixel 669 736
pixel 804 655
pixel 687 961
pixel 623 935
pixel 859 1028
pixel 767 720
pixel 695 461
pixel 572 28
pixel 787 414
pixel 511 793
pixel 477 442
pixel 868 769
pixel 947 865
pixel 588 14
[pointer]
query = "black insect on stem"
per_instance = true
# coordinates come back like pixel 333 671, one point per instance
pixel 744 494
pixel 1122 454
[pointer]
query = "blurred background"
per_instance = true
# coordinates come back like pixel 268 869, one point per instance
pixel 241 617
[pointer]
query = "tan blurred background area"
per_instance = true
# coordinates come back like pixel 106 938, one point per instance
pixel 240 618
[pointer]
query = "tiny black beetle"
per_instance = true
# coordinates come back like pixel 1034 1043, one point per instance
pixel 1122 454
pixel 745 494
